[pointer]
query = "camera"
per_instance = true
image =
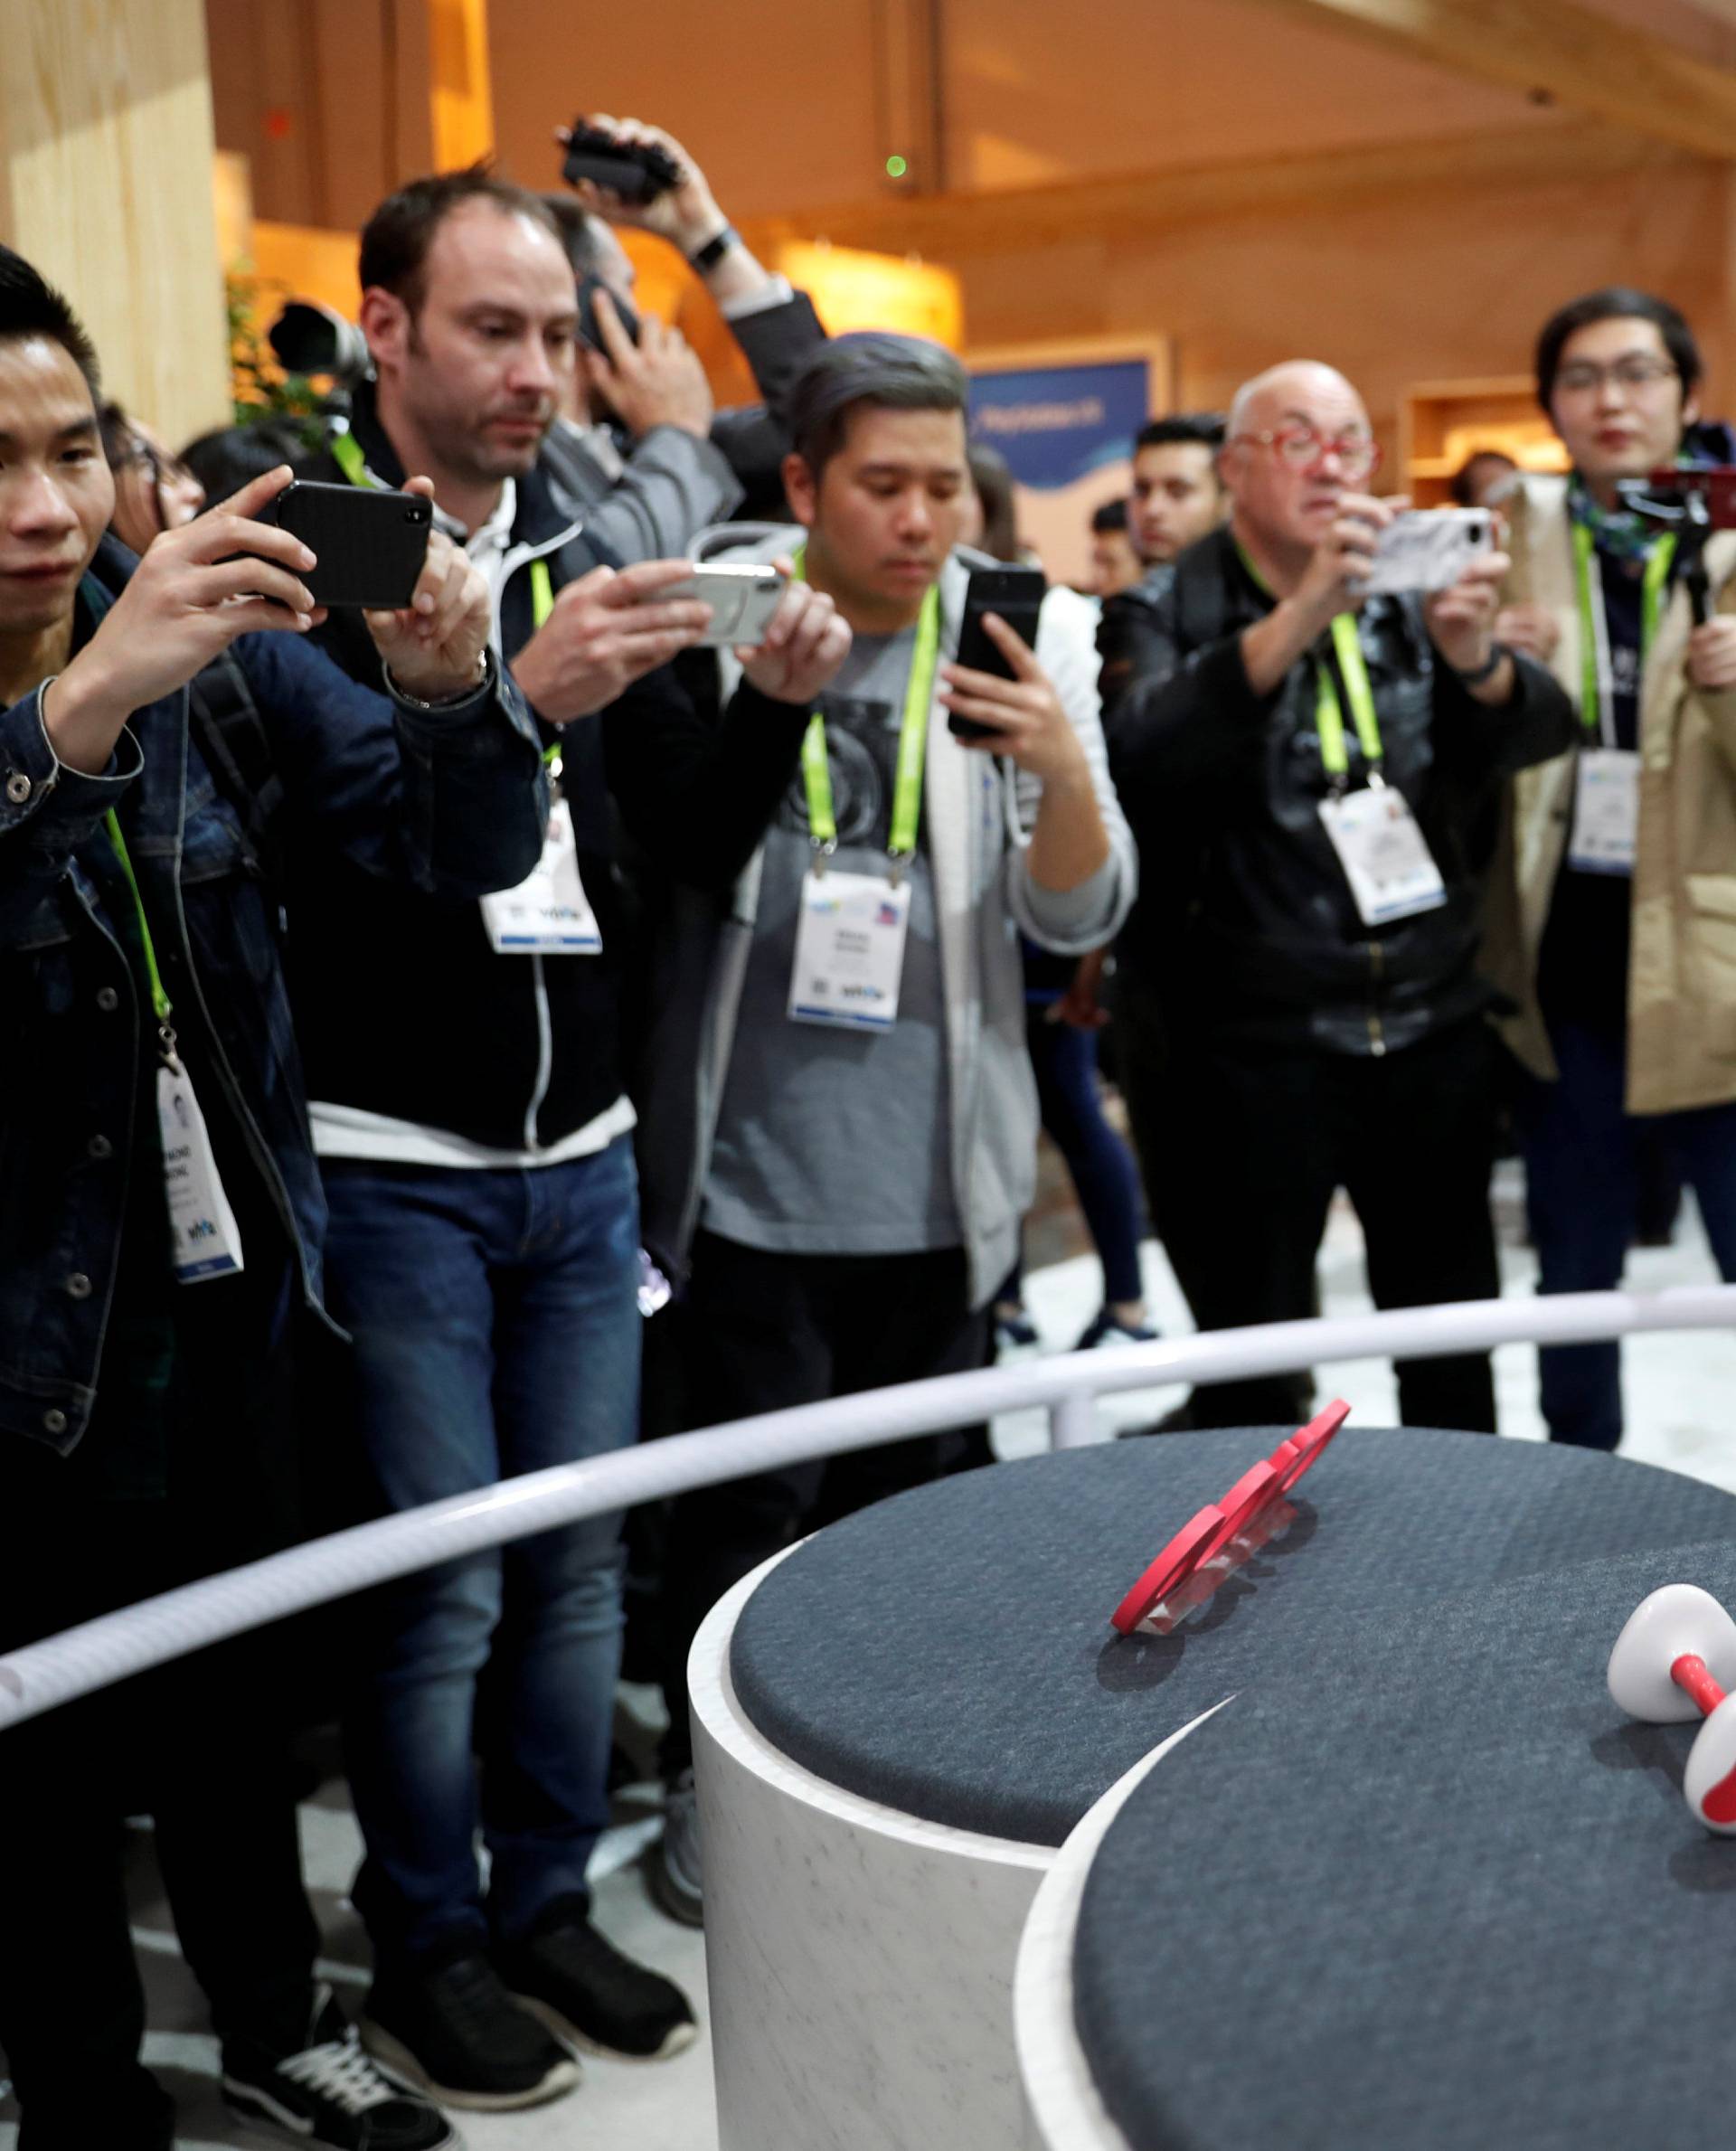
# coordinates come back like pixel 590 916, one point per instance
pixel 309 338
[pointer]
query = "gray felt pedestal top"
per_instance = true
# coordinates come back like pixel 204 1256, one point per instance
pixel 949 1652
pixel 1428 1891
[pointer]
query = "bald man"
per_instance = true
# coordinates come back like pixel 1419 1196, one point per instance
pixel 1315 782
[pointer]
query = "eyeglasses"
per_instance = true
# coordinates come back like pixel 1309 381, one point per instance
pixel 1204 1537
pixel 1302 449
pixel 1639 375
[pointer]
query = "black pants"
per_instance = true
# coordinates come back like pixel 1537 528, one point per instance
pixel 760 1332
pixel 1266 1134
pixel 201 1743
pixel 1177 1173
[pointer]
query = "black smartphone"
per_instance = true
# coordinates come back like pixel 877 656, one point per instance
pixel 370 543
pixel 590 285
pixel 1016 595
pixel 637 171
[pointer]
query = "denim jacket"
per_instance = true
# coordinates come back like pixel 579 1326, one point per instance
pixel 450 800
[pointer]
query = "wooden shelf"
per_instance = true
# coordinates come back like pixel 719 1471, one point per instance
pixel 1443 424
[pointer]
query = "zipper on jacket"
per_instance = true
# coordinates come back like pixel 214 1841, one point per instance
pixel 1376 977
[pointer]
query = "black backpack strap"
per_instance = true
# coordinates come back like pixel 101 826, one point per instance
pixel 232 737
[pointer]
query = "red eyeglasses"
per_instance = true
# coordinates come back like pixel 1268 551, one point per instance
pixel 1204 1537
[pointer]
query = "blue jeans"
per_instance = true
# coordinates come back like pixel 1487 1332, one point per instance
pixel 1063 1059
pixel 496 1328
pixel 1581 1179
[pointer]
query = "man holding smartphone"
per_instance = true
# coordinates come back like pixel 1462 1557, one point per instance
pixel 470 1111
pixel 161 1216
pixel 1613 934
pixel 1333 765
pixel 774 325
pixel 841 1120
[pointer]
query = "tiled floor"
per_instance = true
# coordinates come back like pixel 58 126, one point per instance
pixel 1678 1389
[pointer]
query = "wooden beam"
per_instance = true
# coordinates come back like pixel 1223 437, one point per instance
pixel 1137 206
pixel 1557 51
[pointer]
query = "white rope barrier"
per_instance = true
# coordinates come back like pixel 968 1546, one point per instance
pixel 42 1676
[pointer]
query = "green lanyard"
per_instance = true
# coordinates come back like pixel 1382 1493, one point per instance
pixel 1329 716
pixel 912 747
pixel 1597 685
pixel 159 998
pixel 1328 710
pixel 346 453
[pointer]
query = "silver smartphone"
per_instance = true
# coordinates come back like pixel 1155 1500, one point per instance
pixel 1427 548
pixel 742 596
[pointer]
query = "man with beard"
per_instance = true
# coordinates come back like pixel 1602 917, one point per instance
pixel 474 1131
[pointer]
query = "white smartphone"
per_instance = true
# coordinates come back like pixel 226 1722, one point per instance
pixel 1427 548
pixel 742 596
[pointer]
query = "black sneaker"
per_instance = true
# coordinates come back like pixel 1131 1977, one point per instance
pixel 585 1990
pixel 452 2029
pixel 330 2092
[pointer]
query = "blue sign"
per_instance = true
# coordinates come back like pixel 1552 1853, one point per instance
pixel 1056 425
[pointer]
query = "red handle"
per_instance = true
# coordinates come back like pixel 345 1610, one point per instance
pixel 1692 1675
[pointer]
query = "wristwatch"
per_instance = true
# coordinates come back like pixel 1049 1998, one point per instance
pixel 1490 666
pixel 715 248
pixel 447 701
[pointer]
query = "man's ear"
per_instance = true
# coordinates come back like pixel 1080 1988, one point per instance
pixel 801 490
pixel 385 321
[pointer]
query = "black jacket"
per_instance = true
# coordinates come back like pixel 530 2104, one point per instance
pixel 402 1003
pixel 779 342
pixel 1245 922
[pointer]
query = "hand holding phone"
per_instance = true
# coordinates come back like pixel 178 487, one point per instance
pixel 593 331
pixel 636 171
pixel 655 379
pixel 435 644
pixel 607 630
pixel 1426 550
pixel 806 642
pixel 1015 711
pixel 744 597
pixel 1014 594
pixel 369 544
pixel 226 573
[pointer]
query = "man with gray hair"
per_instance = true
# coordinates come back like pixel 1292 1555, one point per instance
pixel 843 1191
pixel 1327 769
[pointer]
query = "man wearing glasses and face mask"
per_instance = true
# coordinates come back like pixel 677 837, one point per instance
pixel 1615 917
pixel 1336 767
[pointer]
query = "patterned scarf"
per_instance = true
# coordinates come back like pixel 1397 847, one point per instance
pixel 1619 533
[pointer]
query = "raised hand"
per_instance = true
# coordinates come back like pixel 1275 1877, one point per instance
pixel 195 590
pixel 607 630
pixel 434 646
pixel 807 640
pixel 1029 725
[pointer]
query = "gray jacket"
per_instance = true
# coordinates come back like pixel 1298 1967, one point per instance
pixel 978 814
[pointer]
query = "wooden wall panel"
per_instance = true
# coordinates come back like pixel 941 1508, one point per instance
pixel 774 97
pixel 106 184
pixel 1432 286
pixel 329 100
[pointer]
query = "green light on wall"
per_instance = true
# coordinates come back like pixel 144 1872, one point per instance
pixel 896 168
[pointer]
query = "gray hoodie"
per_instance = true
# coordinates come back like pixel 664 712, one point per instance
pixel 978 814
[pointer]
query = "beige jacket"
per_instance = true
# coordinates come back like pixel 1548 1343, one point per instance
pixel 1682 979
